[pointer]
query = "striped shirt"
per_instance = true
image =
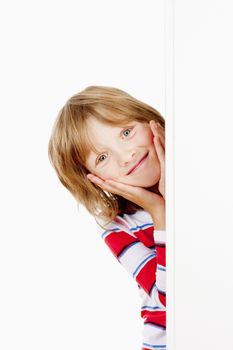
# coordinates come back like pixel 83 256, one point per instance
pixel 141 249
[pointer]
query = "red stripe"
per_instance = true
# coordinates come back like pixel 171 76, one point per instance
pixel 146 277
pixel 146 236
pixel 162 298
pixel 161 253
pixel 158 317
pixel 118 241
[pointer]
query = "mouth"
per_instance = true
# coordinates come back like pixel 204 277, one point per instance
pixel 138 164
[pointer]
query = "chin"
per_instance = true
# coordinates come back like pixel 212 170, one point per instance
pixel 152 185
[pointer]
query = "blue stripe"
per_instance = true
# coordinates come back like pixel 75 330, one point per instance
pixel 150 307
pixel 155 346
pixel 159 267
pixel 141 226
pixel 120 256
pixel 148 258
pixel 106 232
pixel 131 229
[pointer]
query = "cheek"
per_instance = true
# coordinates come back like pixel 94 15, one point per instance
pixel 145 138
pixel 105 173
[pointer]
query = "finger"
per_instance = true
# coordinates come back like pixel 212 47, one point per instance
pixel 114 187
pixel 158 131
pixel 161 156
pixel 159 143
pixel 156 127
pixel 161 133
pixel 126 191
pixel 132 193
pixel 101 183
pixel 162 141
pixel 160 150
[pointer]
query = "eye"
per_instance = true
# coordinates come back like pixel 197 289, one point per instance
pixel 127 130
pixel 100 159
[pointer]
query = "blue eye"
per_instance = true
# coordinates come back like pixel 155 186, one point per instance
pixel 127 130
pixel 99 158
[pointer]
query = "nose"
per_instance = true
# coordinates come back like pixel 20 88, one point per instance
pixel 126 158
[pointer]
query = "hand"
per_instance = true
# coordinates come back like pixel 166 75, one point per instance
pixel 152 202
pixel 159 142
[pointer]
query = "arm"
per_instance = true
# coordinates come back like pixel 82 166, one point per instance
pixel 160 247
pixel 145 265
pixel 158 216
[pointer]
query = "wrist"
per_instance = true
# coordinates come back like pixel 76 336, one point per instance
pixel 160 226
pixel 159 222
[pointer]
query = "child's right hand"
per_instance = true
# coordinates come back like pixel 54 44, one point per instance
pixel 152 202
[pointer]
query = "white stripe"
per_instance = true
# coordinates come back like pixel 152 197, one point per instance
pixel 134 256
pixel 160 236
pixel 161 280
pixel 155 296
pixel 153 336
pixel 146 299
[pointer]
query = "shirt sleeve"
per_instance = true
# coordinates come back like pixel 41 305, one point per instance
pixel 146 265
pixel 160 247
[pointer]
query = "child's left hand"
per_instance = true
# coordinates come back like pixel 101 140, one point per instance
pixel 159 142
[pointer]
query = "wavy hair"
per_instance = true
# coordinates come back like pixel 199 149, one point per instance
pixel 69 144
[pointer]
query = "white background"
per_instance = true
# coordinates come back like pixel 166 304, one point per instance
pixel 203 175
pixel 50 50
pixel 61 287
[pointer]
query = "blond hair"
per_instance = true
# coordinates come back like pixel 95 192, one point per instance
pixel 69 144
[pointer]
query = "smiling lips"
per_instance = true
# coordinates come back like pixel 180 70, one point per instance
pixel 138 164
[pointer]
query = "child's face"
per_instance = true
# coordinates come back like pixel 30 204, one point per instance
pixel 121 148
